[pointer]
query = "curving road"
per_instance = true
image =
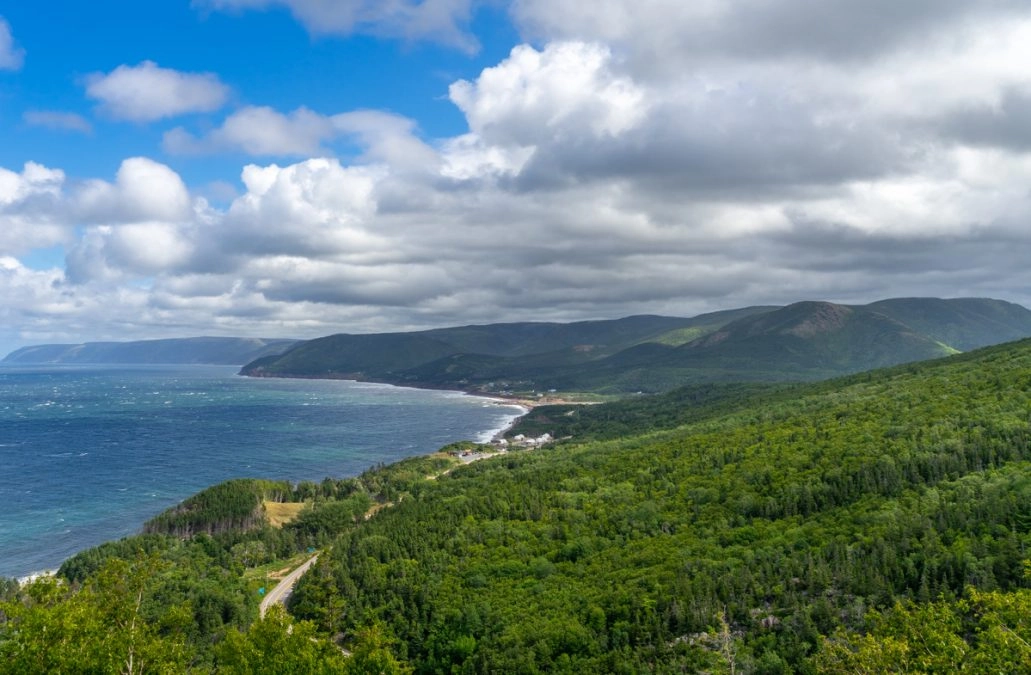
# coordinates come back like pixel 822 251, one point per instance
pixel 279 594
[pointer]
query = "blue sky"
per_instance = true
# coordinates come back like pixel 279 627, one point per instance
pixel 265 58
pixel 302 167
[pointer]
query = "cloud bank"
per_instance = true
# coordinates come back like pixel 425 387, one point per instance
pixel 636 157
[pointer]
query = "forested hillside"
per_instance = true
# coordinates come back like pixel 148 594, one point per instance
pixel 512 353
pixel 743 536
pixel 800 342
pixel 878 521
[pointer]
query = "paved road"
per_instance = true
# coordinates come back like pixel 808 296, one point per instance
pixel 282 591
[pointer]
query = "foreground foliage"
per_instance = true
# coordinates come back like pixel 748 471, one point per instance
pixel 196 588
pixel 102 627
pixel 979 633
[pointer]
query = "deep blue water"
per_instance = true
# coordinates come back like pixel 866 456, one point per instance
pixel 88 453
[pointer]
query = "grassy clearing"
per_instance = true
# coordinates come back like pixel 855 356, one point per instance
pixel 281 513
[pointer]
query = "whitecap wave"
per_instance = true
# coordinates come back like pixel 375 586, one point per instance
pixel 32 576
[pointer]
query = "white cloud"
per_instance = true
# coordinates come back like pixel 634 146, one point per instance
pixel 133 250
pixel 441 21
pixel 567 88
pixel 386 138
pixel 265 132
pixel 58 121
pixel 30 215
pixel 35 179
pixel 26 290
pixel 468 157
pixel 316 208
pixel 258 131
pixel 147 92
pixel 11 55
pixel 143 190
pixel 144 223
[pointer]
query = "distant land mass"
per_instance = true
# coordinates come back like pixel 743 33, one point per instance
pixel 802 341
pixel 807 340
pixel 229 351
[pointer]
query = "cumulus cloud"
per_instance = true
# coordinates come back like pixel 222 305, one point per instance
pixel 11 55
pixel 571 112
pixel 30 212
pixel 143 190
pixel 30 292
pixel 565 89
pixel 314 209
pixel 441 21
pixel 147 92
pixel 143 223
pixel 34 179
pixel 132 250
pixel 58 121
pixel 469 158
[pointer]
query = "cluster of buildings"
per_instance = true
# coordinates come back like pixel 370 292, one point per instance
pixel 521 441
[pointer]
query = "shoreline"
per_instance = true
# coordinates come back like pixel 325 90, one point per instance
pixel 512 399
pixel 525 405
pixel 33 576
pixel 517 409
pixel 499 432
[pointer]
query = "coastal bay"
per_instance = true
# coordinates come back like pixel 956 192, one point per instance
pixel 90 453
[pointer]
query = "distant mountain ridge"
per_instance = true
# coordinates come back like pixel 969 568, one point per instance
pixel 449 355
pixel 199 350
pixel 961 323
pixel 803 341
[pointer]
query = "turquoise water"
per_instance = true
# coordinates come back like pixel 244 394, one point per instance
pixel 87 453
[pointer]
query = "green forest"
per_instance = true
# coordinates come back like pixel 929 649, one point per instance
pixel 879 521
pixel 803 341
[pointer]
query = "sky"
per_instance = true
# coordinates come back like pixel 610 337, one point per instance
pixel 296 168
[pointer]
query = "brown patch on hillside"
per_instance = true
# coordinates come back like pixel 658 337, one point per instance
pixel 281 513
pixel 825 318
pixel 376 508
pixel 278 575
pixel 710 340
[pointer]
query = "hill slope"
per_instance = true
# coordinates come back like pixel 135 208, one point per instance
pixel 961 323
pixel 772 518
pixel 803 341
pixel 458 357
pixel 207 350
pixel 816 337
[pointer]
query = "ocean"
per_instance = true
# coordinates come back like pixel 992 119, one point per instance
pixel 88 453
